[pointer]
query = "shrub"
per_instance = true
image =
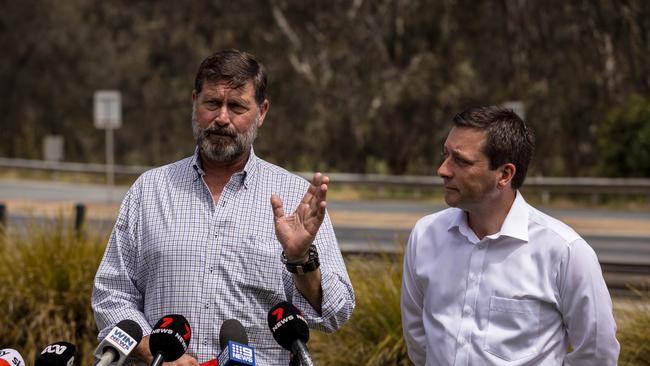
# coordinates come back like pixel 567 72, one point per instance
pixel 633 320
pixel 46 273
pixel 373 336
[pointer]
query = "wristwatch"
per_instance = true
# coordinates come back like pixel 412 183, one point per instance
pixel 301 268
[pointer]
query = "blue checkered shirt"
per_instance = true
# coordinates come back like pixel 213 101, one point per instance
pixel 174 251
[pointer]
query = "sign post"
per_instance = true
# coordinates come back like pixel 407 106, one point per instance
pixel 108 116
pixel 518 107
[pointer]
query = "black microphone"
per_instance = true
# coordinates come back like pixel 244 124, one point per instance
pixel 169 339
pixel 290 330
pixel 233 342
pixel 120 341
pixel 57 354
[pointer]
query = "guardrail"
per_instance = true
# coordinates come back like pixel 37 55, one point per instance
pixel 544 185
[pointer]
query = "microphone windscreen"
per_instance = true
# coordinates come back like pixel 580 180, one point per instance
pixel 232 330
pixel 11 357
pixel 287 324
pixel 131 328
pixel 170 337
pixel 57 354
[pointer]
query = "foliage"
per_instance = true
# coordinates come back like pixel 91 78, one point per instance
pixel 373 336
pixel 634 331
pixel 624 139
pixel 355 86
pixel 46 274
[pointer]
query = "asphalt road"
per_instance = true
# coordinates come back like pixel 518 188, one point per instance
pixel 351 219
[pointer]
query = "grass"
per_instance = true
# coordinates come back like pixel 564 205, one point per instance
pixel 373 336
pixel 633 320
pixel 46 273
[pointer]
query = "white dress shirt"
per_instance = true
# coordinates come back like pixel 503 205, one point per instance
pixel 521 296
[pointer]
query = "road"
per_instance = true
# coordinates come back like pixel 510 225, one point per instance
pixel 617 236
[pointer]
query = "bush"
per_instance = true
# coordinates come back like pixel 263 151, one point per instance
pixel 624 139
pixel 46 274
pixel 633 322
pixel 373 336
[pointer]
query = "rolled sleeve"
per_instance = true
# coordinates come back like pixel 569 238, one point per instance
pixel 338 299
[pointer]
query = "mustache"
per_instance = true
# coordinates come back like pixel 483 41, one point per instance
pixel 215 129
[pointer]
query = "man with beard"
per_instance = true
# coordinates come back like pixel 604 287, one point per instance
pixel 210 236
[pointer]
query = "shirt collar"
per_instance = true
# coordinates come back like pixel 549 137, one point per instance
pixel 515 224
pixel 245 176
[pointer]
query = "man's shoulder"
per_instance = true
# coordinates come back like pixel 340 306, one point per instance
pixel 165 174
pixel 177 168
pixel 552 226
pixel 439 219
pixel 275 172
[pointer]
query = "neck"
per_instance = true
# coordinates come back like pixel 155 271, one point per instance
pixel 224 169
pixel 488 218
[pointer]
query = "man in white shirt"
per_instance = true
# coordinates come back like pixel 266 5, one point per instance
pixel 492 280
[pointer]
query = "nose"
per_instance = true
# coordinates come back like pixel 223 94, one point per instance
pixel 443 169
pixel 223 117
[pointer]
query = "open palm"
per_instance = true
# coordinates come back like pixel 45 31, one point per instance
pixel 296 232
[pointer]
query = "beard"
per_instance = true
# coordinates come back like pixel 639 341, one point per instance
pixel 223 144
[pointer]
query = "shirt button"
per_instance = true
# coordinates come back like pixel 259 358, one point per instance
pixel 481 246
pixel 461 341
pixel 468 310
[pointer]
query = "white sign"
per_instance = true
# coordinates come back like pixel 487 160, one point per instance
pixel 108 109
pixel 53 148
pixel 518 107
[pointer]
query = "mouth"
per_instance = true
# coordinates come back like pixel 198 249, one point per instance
pixel 219 134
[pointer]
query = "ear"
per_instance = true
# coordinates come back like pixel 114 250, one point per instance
pixel 264 108
pixel 507 171
pixel 194 96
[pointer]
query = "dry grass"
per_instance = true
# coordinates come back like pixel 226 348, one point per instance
pixel 46 274
pixel 373 336
pixel 633 320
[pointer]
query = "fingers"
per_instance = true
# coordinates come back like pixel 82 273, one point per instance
pixel 317 191
pixel 276 204
pixel 184 360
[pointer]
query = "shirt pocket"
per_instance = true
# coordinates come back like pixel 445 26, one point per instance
pixel 513 328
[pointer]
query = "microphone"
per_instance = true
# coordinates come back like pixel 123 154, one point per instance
pixel 57 354
pixel 290 330
pixel 119 342
pixel 233 342
pixel 11 357
pixel 169 339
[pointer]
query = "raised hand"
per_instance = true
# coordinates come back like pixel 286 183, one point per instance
pixel 296 232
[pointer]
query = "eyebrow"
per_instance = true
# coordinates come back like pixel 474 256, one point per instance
pixel 458 154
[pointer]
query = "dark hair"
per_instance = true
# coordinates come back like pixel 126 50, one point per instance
pixel 234 68
pixel 509 140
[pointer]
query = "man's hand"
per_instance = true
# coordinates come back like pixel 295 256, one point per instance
pixel 296 232
pixel 185 360
pixel 142 352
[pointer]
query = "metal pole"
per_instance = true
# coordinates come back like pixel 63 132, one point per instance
pixel 110 162
pixel 80 217
pixel 3 216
